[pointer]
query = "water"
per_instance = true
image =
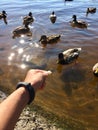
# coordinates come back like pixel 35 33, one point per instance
pixel 71 91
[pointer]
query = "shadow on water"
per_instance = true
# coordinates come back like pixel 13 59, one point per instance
pixel 72 77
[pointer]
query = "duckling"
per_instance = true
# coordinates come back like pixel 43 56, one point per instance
pixel 53 17
pixel 50 39
pixel 22 30
pixel 68 56
pixel 90 10
pixel 78 23
pixel 28 19
pixel 3 16
pixel 95 69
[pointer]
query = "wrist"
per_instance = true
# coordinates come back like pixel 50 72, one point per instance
pixel 24 94
pixel 30 90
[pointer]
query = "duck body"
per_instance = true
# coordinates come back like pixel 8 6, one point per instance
pixel 78 23
pixel 68 56
pixel 90 10
pixel 95 69
pixel 28 19
pixel 53 17
pixel 49 39
pixel 22 30
pixel 3 16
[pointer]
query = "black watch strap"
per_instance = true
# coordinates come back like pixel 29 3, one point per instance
pixel 29 88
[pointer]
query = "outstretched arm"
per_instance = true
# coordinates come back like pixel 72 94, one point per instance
pixel 12 106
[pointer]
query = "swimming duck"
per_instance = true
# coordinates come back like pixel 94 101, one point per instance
pixel 28 19
pixel 78 23
pixel 53 17
pixel 3 16
pixel 95 69
pixel 49 39
pixel 90 10
pixel 22 30
pixel 68 56
pixel 68 0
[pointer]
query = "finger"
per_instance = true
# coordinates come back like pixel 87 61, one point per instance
pixel 46 73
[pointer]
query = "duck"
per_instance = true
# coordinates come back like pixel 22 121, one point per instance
pixel 49 39
pixel 95 69
pixel 3 15
pixel 78 23
pixel 53 17
pixel 90 10
pixel 28 19
pixel 22 30
pixel 68 0
pixel 68 56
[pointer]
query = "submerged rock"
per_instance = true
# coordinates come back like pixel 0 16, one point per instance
pixel 2 96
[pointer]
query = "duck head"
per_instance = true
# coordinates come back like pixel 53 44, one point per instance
pixel 74 18
pixel 43 39
pixel 61 59
pixel 4 13
pixel 53 13
pixel 30 14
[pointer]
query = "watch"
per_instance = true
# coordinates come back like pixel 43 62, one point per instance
pixel 29 88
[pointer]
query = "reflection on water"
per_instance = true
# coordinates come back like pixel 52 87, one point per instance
pixel 71 90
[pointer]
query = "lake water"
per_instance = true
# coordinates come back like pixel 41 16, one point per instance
pixel 71 92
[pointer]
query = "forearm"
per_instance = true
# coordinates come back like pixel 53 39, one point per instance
pixel 11 108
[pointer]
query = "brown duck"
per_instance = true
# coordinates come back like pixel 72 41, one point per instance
pixel 22 30
pixel 53 17
pixel 78 23
pixel 68 56
pixel 3 16
pixel 28 19
pixel 90 10
pixel 49 39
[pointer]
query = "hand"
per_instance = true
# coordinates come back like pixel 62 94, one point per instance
pixel 37 78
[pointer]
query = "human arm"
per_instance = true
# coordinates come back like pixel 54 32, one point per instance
pixel 12 106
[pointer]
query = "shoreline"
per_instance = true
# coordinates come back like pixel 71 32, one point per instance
pixel 30 120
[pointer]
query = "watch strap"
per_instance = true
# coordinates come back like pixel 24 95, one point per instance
pixel 29 88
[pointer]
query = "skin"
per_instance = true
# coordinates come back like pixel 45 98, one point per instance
pixel 12 106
